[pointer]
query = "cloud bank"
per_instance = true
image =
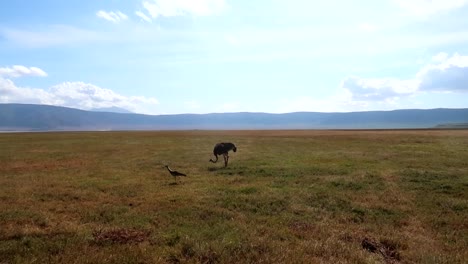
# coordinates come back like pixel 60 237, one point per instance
pixel 448 74
pixel 79 95
pixel 88 96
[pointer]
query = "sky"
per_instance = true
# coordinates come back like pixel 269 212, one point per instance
pixel 212 56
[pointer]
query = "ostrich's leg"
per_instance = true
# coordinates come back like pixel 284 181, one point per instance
pixel 226 158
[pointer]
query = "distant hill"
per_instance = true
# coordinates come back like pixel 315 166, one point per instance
pixel 28 117
pixel 453 126
pixel 111 110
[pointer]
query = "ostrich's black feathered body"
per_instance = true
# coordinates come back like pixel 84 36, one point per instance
pixel 223 149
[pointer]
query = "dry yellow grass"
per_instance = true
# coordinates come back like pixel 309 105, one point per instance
pixel 300 196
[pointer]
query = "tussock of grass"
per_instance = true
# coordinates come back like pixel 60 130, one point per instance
pixel 119 236
pixel 286 197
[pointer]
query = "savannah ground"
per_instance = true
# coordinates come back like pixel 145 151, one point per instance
pixel 286 197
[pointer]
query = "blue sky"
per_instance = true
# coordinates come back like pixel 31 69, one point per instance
pixel 204 56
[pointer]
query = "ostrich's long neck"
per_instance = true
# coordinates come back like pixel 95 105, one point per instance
pixel 214 161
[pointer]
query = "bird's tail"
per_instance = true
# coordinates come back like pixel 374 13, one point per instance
pixel 214 161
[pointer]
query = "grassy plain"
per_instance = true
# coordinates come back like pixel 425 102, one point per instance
pixel 286 197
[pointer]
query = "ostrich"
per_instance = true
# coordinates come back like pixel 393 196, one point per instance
pixel 223 148
pixel 174 173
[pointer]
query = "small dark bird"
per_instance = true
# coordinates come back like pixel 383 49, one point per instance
pixel 174 173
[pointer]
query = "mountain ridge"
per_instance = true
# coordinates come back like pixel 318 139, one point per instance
pixel 33 117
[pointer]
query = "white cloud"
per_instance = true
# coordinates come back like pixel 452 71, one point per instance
pixel 88 96
pixel 429 7
pixel 440 57
pixel 449 74
pixel 19 71
pixel 363 89
pixel 111 16
pixel 170 8
pixel 76 95
pixel 10 93
pixel 143 16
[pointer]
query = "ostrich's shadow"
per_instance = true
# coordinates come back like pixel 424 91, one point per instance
pixel 215 168
pixel 212 169
pixel 175 183
pixel 227 171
